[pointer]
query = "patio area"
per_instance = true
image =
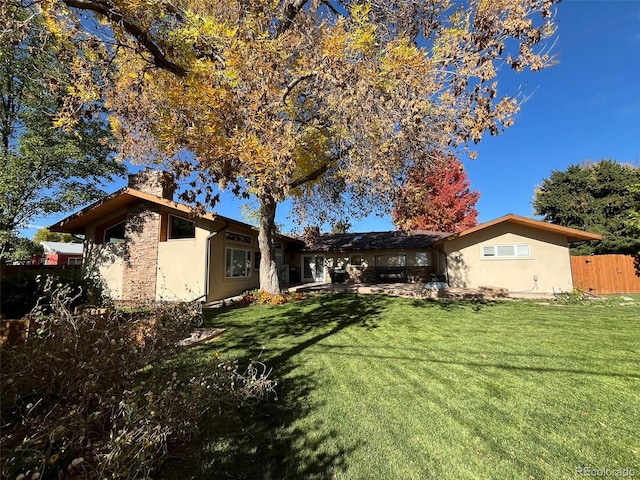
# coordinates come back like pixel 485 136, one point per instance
pixel 407 290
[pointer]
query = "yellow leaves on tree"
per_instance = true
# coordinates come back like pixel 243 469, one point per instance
pixel 315 98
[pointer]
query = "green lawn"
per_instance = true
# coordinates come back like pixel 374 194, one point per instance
pixel 374 387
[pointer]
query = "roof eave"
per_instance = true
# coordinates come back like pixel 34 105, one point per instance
pixel 75 223
pixel 572 234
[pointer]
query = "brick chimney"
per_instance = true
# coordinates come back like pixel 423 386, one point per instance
pixel 154 182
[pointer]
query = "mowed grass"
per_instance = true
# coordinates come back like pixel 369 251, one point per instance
pixel 375 387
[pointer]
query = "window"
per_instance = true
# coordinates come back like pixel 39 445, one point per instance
pixel 237 237
pixel 238 263
pixel 356 260
pixel 506 251
pixel 181 228
pixel 114 234
pixel 74 261
pixel 423 259
pixel 523 251
pixel 399 260
pixel 256 261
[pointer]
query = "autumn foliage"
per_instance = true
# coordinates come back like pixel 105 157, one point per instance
pixel 437 197
pixel 313 100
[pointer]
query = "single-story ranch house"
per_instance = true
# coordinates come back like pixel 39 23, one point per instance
pixel 147 247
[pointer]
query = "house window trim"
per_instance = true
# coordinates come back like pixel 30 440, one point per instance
pixel 248 268
pixel 257 256
pixel 401 256
pixel 104 233
pixel 240 238
pixel 495 255
pixel 429 259
pixel 72 261
pixel 359 264
pixel 169 238
pixel 100 230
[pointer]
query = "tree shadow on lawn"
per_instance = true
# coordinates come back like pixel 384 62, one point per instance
pixel 266 441
pixel 449 304
pixel 300 324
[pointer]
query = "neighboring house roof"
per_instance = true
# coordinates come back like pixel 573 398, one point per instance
pixel 572 234
pixel 375 241
pixel 63 248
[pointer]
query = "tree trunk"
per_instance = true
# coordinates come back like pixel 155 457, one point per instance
pixel 266 241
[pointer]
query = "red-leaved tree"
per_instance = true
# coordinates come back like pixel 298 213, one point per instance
pixel 438 197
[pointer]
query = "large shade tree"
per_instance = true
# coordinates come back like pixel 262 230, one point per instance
pixel 44 168
pixel 437 196
pixel 599 197
pixel 316 100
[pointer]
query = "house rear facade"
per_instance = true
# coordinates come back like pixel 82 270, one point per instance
pixel 147 247
pixel 520 254
pixel 375 257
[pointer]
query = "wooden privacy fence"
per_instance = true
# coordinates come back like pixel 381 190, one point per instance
pixel 601 274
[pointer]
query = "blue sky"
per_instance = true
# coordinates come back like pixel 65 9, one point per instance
pixel 586 107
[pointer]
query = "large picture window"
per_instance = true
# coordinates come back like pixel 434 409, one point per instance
pixel 393 260
pixel 181 228
pixel 521 250
pixel 238 263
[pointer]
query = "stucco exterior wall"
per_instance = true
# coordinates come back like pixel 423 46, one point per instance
pixel 108 262
pixel 547 269
pixel 221 285
pixel 176 268
pixel 181 266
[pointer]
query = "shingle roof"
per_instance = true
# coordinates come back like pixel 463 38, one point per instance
pixel 375 241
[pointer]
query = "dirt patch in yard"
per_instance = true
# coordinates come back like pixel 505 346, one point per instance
pixel 201 335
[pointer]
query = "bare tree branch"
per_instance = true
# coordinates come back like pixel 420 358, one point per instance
pixel 292 84
pixel 310 176
pixel 291 9
pixel 160 60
